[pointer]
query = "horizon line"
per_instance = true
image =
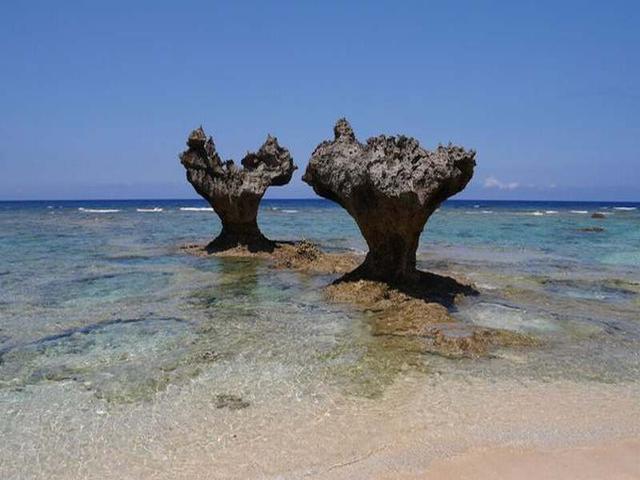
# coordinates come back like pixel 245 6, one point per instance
pixel 301 198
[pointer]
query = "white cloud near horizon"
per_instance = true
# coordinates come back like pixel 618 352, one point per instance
pixel 493 182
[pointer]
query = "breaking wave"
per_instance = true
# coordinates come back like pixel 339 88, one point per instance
pixel 98 210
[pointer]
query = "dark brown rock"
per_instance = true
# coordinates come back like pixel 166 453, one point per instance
pixel 598 215
pixel 233 192
pixel 390 186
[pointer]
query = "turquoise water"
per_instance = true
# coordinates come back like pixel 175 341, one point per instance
pixel 98 292
pixel 109 331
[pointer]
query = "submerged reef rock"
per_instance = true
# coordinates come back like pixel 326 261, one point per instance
pixel 390 186
pixel 306 256
pixel 235 193
pixel 424 318
pixel 232 402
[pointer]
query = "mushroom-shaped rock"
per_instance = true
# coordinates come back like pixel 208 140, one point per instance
pixel 390 186
pixel 233 192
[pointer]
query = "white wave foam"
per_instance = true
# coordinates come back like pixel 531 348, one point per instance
pixel 537 213
pixel 98 210
pixel 551 212
pixel 196 209
pixel 290 211
pixel 155 209
pixel 625 209
pixel 582 212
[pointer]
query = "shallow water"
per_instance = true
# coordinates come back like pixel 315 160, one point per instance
pixel 102 317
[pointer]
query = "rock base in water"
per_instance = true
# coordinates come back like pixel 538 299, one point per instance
pixel 302 256
pixel 418 316
pixel 228 241
pixel 413 310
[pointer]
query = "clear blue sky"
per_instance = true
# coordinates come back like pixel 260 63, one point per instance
pixel 97 98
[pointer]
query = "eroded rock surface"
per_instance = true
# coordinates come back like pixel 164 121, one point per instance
pixel 424 318
pixel 390 186
pixel 303 256
pixel 233 192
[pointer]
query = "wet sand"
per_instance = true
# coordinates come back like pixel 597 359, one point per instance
pixel 478 431
pixel 617 460
pixel 423 427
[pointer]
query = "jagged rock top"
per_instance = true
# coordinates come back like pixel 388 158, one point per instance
pixel 388 166
pixel 270 165
pixel 235 192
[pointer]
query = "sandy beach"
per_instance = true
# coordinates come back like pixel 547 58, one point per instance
pixel 614 460
pixel 420 429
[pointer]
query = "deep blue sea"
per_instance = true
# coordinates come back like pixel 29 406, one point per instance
pixel 110 333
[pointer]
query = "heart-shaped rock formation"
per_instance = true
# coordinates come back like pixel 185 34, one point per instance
pixel 235 193
pixel 390 186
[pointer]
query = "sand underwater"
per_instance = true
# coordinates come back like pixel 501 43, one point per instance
pixel 123 356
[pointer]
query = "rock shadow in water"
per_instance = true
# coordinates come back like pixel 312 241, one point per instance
pixel 426 286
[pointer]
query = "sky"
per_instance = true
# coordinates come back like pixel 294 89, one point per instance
pixel 97 98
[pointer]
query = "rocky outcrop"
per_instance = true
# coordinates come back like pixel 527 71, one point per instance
pixel 390 186
pixel 423 316
pixel 302 256
pixel 233 192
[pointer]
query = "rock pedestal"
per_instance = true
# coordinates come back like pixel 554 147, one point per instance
pixel 235 193
pixel 390 186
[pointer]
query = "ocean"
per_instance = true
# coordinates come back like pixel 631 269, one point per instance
pixel 116 346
